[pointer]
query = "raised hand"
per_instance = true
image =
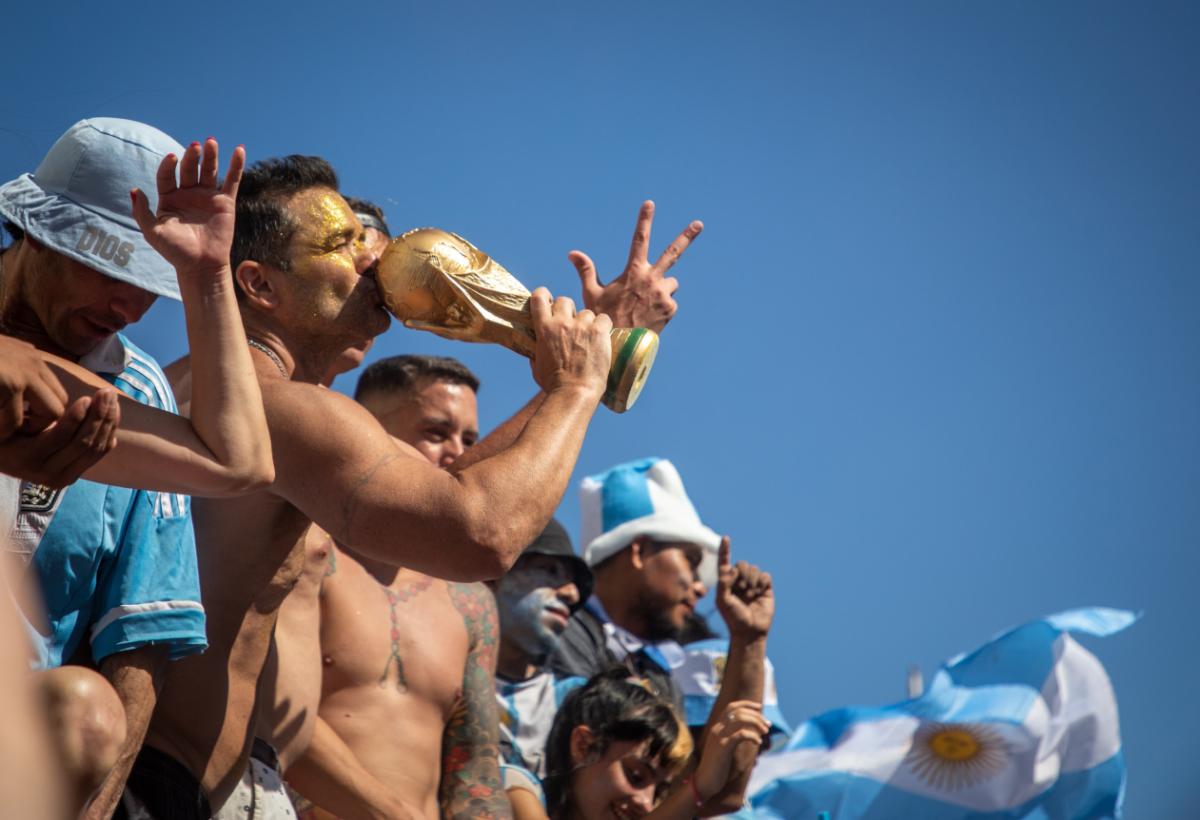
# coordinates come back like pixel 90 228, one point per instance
pixel 745 596
pixel 642 295
pixel 742 721
pixel 61 453
pixel 573 349
pixel 193 229
pixel 30 395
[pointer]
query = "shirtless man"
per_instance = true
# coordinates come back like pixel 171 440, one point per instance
pixel 402 649
pixel 308 296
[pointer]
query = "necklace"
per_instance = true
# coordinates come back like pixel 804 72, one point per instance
pixel 271 354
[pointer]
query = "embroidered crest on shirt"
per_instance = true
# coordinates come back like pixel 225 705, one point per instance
pixel 38 497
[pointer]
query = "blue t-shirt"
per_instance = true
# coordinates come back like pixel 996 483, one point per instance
pixel 116 567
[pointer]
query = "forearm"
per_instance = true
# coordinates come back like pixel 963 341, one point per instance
pixel 331 776
pixel 156 449
pixel 745 673
pixel 136 676
pixel 501 438
pixel 525 805
pixel 470 525
pixel 226 403
pixel 680 804
pixel 519 487
pixel 470 786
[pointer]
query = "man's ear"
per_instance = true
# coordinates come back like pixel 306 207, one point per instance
pixel 581 745
pixel 257 286
pixel 637 552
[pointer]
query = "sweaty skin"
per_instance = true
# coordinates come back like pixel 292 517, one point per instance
pixel 293 671
pixel 402 649
pixel 337 467
pixel 399 648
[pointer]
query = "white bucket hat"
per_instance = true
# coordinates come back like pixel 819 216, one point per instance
pixel 77 201
pixel 642 498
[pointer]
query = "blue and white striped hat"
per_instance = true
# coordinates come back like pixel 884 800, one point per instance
pixel 642 498
pixel 77 201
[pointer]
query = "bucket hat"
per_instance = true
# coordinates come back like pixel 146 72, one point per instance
pixel 77 201
pixel 555 542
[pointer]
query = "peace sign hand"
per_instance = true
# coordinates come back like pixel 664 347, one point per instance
pixel 193 229
pixel 642 295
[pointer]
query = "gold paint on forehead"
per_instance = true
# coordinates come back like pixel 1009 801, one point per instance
pixel 325 221
pixel 330 216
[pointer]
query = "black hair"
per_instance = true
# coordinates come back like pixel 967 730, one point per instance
pixel 363 206
pixel 402 373
pixel 264 229
pixel 615 707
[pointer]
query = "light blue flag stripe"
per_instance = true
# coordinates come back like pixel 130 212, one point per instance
pixel 997 684
pixel 1093 794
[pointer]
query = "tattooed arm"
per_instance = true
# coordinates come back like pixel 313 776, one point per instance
pixel 470 785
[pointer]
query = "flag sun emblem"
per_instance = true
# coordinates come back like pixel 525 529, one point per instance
pixel 953 756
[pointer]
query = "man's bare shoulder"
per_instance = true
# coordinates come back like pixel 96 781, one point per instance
pixel 314 427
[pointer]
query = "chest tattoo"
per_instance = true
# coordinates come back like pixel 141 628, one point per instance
pixel 396 597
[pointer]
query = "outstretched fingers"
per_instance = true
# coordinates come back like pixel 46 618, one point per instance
pixel 189 166
pixel 588 277
pixel 209 163
pixel 640 245
pixel 141 206
pixel 675 250
pixel 166 174
pixel 233 177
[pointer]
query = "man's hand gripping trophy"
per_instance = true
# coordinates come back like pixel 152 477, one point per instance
pixel 437 281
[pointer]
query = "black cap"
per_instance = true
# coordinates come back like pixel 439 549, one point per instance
pixel 555 541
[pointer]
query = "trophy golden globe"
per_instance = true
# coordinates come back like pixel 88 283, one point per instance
pixel 437 281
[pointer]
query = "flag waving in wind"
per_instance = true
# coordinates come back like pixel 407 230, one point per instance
pixel 1023 728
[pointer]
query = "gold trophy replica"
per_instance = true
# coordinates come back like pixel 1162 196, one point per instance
pixel 437 281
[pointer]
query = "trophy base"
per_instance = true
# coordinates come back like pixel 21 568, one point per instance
pixel 633 351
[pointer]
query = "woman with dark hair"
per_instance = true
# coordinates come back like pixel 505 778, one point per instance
pixel 616 746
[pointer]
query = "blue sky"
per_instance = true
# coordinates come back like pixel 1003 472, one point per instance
pixel 937 363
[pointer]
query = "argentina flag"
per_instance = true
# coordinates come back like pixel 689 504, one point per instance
pixel 1023 728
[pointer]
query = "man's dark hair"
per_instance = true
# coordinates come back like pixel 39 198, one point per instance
pixel 363 206
pixel 264 229
pixel 615 707
pixel 402 373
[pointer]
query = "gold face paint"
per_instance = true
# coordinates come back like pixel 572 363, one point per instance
pixel 329 232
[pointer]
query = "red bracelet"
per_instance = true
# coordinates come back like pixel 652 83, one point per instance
pixel 695 792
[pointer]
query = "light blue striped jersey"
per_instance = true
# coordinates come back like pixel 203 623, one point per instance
pixel 527 709
pixel 116 567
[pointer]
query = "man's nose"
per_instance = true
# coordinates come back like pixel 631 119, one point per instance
pixel 568 593
pixel 131 304
pixel 699 590
pixel 452 449
pixel 366 254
